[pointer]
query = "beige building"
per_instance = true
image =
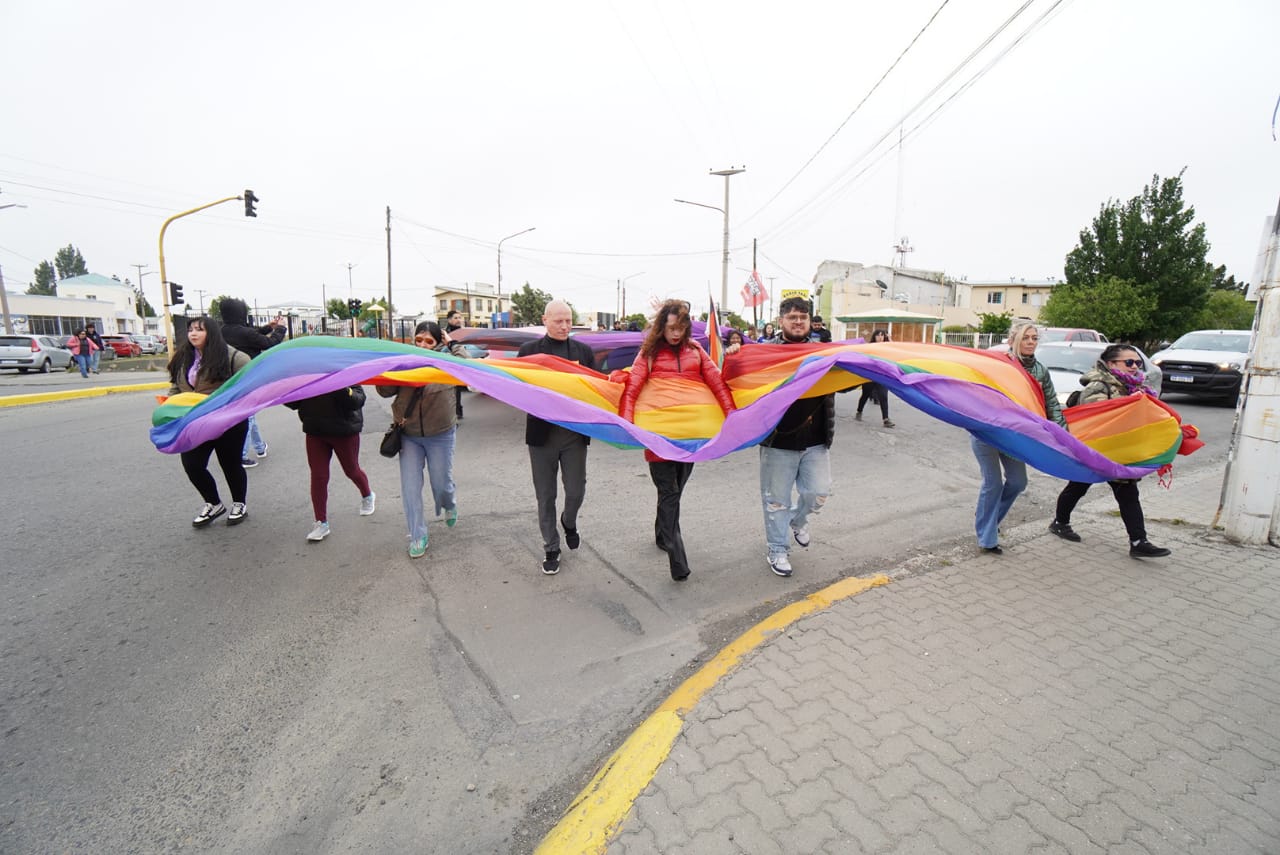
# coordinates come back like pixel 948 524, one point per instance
pixel 479 303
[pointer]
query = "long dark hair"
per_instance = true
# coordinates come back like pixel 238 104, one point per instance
pixel 874 336
pixel 656 337
pixel 215 361
pixel 434 329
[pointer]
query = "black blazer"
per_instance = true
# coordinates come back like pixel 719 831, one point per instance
pixel 537 430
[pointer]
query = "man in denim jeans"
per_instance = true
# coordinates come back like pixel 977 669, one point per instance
pixel 795 458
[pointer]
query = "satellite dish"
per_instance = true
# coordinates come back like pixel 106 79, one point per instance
pixel 883 286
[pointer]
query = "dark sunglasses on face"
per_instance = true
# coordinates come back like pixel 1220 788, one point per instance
pixel 1127 363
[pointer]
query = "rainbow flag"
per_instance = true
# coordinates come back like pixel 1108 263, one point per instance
pixel 715 344
pixel 984 393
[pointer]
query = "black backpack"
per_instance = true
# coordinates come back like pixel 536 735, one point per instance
pixel 1074 398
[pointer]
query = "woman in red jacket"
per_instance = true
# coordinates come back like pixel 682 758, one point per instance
pixel 668 351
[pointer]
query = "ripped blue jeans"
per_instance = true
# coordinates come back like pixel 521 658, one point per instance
pixel 793 485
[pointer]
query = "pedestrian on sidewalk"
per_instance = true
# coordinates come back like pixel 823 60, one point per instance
pixel 426 415
pixel 554 449
pixel 252 341
pixel 1118 373
pixel 82 348
pixel 95 356
pixel 875 391
pixel 670 352
pixel 998 492
pixel 795 459
pixel 202 363
pixel 332 423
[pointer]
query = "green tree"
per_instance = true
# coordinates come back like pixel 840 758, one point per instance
pixel 527 305
pixel 996 323
pixel 1223 282
pixel 1226 310
pixel 69 262
pixel 337 308
pixel 1149 241
pixel 1114 307
pixel 46 281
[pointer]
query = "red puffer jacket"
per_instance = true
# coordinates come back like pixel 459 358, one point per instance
pixel 690 362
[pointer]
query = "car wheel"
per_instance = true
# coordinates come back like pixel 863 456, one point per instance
pixel 22 371
pixel 44 367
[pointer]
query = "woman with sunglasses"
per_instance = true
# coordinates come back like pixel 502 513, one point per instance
pixel 1117 374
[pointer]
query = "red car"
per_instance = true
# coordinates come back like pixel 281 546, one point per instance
pixel 123 345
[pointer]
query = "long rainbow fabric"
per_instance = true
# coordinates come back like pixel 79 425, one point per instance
pixel 984 393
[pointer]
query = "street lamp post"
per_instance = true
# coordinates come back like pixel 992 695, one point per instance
pixel 508 237
pixel 724 261
pixel 622 293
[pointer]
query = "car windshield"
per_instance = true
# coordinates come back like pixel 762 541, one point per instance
pixel 1047 335
pixel 1234 343
pixel 1067 358
pixel 14 341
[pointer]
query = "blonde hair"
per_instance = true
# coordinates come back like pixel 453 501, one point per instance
pixel 1017 333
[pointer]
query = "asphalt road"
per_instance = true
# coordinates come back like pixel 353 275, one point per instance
pixel 242 690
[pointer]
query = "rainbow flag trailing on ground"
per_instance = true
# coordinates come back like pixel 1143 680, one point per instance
pixel 982 392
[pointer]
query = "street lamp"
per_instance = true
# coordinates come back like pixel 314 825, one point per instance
pixel 508 237
pixel 622 293
pixel 724 262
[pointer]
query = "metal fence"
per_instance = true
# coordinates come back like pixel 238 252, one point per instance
pixel 976 340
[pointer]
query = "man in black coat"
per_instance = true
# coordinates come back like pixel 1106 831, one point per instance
pixel 555 449
pixel 252 341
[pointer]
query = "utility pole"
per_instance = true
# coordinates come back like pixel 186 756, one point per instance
pixel 755 304
pixel 4 305
pixel 324 308
pixel 142 297
pixel 773 306
pixel 724 263
pixel 1250 503
pixel 201 293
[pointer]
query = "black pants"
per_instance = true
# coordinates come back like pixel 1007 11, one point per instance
pixel 670 477
pixel 457 399
pixel 228 447
pixel 1126 493
pixel 875 390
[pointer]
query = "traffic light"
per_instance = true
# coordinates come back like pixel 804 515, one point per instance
pixel 249 201
pixel 175 294
pixel 354 305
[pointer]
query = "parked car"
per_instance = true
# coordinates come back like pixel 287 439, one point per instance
pixel 1207 363
pixel 1067 361
pixel 147 343
pixel 41 353
pixel 1049 335
pixel 122 344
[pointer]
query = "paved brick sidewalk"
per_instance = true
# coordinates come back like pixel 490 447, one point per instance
pixel 1063 698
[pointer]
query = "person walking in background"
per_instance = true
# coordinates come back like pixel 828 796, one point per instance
pixel 998 491
pixel 768 335
pixel 795 460
pixel 332 423
pixel 202 363
pixel 669 352
pixel 452 323
pixel 82 349
pixel 554 450
pixel 251 341
pixel 875 391
pixel 1118 373
pixel 733 341
pixel 426 415
pixel 819 331
pixel 95 356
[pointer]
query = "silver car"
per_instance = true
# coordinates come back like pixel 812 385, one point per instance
pixel 33 353
pixel 1067 361
pixel 148 343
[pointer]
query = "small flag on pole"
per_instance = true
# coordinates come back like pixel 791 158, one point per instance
pixel 715 347
pixel 753 293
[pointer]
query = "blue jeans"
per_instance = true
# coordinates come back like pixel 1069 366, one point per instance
pixel 435 454
pixel 94 359
pixel 83 362
pixel 783 474
pixel 998 492
pixel 253 438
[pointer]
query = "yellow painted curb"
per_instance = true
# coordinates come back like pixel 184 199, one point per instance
pixel 599 809
pixel 95 392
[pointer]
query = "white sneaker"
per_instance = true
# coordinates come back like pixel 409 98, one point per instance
pixel 367 504
pixel 780 564
pixel 238 513
pixel 208 514
pixel 801 535
pixel 263 452
pixel 320 532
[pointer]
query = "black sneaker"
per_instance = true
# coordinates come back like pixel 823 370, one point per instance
pixel 993 550
pixel 1147 549
pixel 1064 531
pixel 551 566
pixel 208 514
pixel 571 538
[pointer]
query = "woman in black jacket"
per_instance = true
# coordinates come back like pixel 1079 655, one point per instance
pixel 332 424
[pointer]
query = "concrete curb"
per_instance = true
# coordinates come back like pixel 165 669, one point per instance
pixel 595 814
pixel 94 392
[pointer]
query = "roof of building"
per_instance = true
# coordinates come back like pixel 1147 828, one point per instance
pixel 95 280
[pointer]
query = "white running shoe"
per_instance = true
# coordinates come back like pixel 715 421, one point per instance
pixel 320 532
pixel 367 504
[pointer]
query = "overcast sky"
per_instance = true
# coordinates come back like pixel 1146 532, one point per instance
pixel 477 120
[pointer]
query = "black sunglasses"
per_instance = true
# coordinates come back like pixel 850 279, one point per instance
pixel 1128 363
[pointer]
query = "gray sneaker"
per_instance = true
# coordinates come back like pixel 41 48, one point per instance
pixel 367 504
pixel 320 532
pixel 780 564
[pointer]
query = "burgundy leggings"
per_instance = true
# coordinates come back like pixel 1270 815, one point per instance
pixel 347 450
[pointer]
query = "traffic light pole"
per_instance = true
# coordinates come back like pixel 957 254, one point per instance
pixel 164 279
